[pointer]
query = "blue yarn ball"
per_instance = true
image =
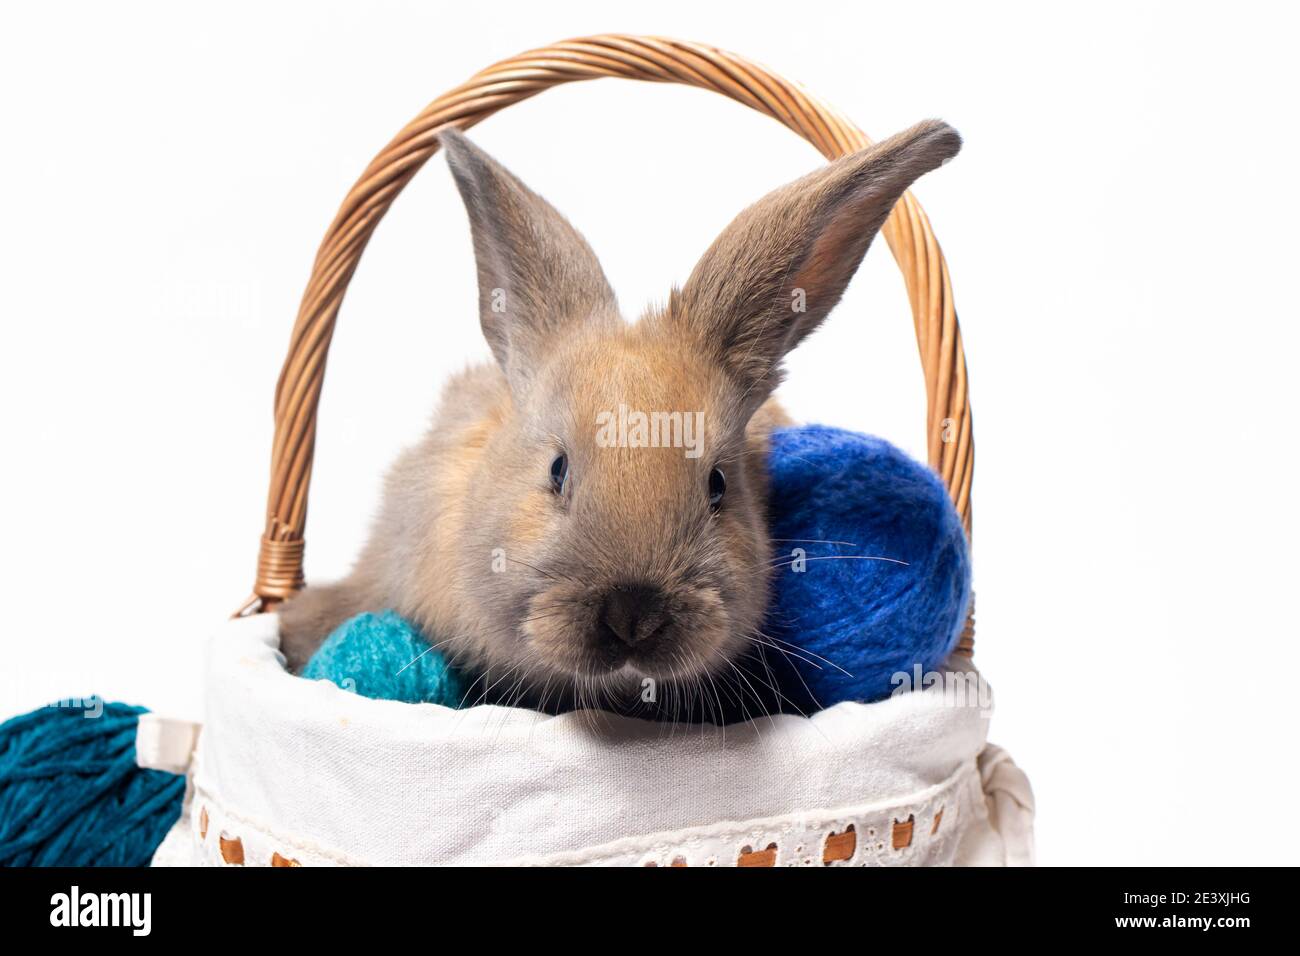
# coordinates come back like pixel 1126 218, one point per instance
pixel 384 656
pixel 847 500
pixel 71 793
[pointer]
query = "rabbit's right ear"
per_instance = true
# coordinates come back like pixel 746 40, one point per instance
pixel 536 274
pixel 780 267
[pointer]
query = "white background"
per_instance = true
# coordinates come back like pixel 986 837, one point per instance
pixel 1121 232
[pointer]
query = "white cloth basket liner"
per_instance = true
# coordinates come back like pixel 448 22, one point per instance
pixel 288 771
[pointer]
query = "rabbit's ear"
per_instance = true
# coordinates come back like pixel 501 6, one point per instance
pixel 782 265
pixel 536 274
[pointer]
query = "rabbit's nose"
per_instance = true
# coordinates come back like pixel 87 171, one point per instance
pixel 632 612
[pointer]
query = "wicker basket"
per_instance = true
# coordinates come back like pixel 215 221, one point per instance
pixel 292 772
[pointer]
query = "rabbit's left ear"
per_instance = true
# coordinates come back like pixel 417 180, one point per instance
pixel 775 273
pixel 536 274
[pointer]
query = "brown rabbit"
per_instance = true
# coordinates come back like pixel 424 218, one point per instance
pixel 540 534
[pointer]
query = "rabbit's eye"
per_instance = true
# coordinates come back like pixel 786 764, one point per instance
pixel 559 473
pixel 717 487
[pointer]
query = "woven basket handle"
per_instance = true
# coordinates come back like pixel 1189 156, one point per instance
pixel 950 443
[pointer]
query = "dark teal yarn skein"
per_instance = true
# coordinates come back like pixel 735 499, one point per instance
pixel 72 795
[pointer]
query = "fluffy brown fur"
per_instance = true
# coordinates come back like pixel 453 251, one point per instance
pixel 532 586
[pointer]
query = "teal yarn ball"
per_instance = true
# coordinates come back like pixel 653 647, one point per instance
pixel 71 793
pixel 385 657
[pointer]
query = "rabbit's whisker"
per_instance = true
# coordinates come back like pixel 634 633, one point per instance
pixel 786 561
